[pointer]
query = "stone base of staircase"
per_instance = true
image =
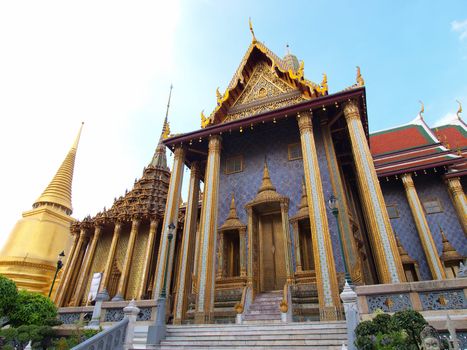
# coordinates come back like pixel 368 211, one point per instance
pixel 307 335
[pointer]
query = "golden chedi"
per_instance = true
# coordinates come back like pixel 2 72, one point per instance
pixel 29 256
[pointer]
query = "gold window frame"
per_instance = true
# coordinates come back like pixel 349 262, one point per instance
pixel 394 206
pixel 227 160
pixel 289 153
pixel 432 199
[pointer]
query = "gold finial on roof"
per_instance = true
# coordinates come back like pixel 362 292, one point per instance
pixel 459 111
pixel 360 81
pixel 422 108
pixel 166 127
pixel 59 189
pixel 323 88
pixel 204 121
pixel 251 29
pixel 266 184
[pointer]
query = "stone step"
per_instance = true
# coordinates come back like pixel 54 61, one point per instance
pixel 249 343
pixel 227 347
pixel 272 332
pixel 341 336
pixel 311 325
pixel 266 311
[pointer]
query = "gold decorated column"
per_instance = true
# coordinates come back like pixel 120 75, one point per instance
pixel 208 230
pixel 68 281
pixel 429 247
pixel 220 256
pixel 296 238
pixel 188 246
pixel 354 266
pixel 147 258
pixel 110 259
pixel 242 237
pixel 388 262
pixel 287 247
pixel 84 273
pixel 328 292
pixel 458 199
pixel 170 217
pixel 250 250
pixel 123 282
pixel 62 288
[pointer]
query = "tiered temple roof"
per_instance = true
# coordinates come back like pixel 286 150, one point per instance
pixel 414 146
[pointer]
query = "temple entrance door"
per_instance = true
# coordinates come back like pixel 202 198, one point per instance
pixel 272 256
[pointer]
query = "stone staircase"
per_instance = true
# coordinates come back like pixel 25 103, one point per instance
pixel 265 308
pixel 306 335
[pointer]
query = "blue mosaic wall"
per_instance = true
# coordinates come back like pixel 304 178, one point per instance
pixel 286 175
pixel 434 187
pixel 404 226
pixel 428 187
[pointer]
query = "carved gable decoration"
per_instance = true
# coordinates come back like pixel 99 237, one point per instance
pixel 264 91
pixel 263 82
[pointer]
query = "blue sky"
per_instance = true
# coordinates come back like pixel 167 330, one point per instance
pixel 111 64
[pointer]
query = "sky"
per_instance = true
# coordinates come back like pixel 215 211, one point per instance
pixel 110 64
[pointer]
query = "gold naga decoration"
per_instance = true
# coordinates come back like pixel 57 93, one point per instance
pixel 204 121
pixel 323 88
pixel 360 81
pixel 459 111
pixel 300 72
pixel 422 108
pixel 218 95
pixel 251 29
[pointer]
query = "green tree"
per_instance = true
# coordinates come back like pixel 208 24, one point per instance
pixel 8 296
pixel 32 309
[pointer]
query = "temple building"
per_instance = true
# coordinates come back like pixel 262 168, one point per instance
pixel 276 151
pixel 30 254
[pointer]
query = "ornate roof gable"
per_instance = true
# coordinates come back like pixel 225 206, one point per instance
pixel 262 82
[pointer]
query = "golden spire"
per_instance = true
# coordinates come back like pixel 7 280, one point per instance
pixel 253 39
pixel 449 252
pixel 166 127
pixel 459 111
pixel 58 191
pixel 266 185
pixel 422 108
pixel 360 81
pixel 233 209
pixel 159 158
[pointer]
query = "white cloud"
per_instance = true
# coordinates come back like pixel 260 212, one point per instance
pixel 460 27
pixel 65 62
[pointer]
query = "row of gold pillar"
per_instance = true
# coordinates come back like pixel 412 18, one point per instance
pixel 78 268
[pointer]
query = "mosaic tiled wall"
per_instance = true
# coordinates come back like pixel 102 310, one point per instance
pixel 434 187
pixel 428 187
pixel 286 175
pixel 404 225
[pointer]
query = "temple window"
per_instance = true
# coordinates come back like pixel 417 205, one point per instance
pixel 432 206
pixel 234 165
pixel 393 212
pixel 294 151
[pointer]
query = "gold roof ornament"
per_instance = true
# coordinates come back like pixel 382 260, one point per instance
pixel 166 127
pixel 58 191
pixel 360 81
pixel 405 257
pixel 204 121
pixel 232 222
pixel 422 109
pixel 323 88
pixel 459 111
pixel 449 252
pixel 218 95
pixel 267 191
pixel 302 207
pixel 251 30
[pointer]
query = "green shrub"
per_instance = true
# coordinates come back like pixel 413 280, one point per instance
pixel 32 309
pixel 400 331
pixel 8 296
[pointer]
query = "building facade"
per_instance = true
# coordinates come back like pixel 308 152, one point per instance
pixel 276 148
